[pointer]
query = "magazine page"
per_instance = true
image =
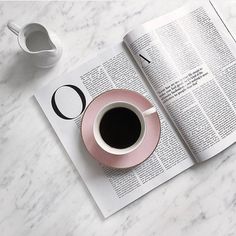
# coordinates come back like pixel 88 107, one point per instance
pixel 189 58
pixel 112 189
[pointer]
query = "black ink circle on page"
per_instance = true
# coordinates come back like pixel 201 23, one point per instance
pixel 56 109
pixel 120 127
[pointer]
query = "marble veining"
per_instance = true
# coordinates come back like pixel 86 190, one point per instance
pixel 41 193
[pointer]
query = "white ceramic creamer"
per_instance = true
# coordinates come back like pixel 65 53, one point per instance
pixel 41 45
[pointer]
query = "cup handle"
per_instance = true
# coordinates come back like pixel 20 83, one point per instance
pixel 149 111
pixel 13 27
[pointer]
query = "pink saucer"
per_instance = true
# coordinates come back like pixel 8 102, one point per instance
pixel 143 151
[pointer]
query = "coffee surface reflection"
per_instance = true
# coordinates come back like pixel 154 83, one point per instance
pixel 120 127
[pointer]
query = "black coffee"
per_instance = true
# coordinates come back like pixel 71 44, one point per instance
pixel 120 127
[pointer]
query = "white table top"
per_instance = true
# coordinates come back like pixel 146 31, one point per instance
pixel 41 193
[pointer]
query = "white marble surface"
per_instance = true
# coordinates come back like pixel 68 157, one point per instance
pixel 40 191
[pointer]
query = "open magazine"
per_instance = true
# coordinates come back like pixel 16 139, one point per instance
pixel 185 64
